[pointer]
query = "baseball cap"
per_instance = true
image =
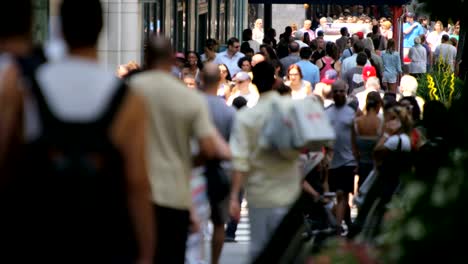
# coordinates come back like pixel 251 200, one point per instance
pixel 241 76
pixel 368 71
pixel 329 77
pixel 360 35
pixel 409 14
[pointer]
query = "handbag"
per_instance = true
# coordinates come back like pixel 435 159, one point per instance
pixel 311 126
pixel 296 124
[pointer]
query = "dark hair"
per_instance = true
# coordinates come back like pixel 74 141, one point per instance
pixel 389 100
pixel 241 61
pixel 293 46
pixel 158 51
pixel 415 110
pixel 344 31
pixel 373 100
pixel 358 46
pixel 244 46
pixel 211 43
pixel 361 59
pixel 313 44
pixel 445 38
pixel 231 41
pixel 306 39
pixel 423 38
pixel 320 33
pixel 454 41
pixel 305 53
pixel 264 76
pixel 375 29
pixel 78 30
pixel 332 50
pixel 247 34
pixel 271 52
pixel 239 102
pixel 390 45
pixel 199 62
pixel 228 77
pixel 434 117
pixel 283 89
pixel 16 20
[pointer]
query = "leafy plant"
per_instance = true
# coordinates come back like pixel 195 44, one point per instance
pixel 441 84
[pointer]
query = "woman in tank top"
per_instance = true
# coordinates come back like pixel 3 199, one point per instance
pixel 300 88
pixel 330 60
pixel 366 133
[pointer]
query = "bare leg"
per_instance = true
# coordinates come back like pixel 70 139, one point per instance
pixel 217 242
pixel 392 87
pixel 341 201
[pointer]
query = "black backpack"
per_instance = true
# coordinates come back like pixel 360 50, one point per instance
pixel 71 188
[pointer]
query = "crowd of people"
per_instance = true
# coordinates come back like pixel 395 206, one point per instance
pixel 101 167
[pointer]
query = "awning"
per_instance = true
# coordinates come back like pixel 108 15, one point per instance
pixel 334 2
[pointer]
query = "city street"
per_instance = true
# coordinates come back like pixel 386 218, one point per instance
pixel 234 253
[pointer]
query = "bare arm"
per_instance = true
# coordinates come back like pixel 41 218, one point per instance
pixel 129 135
pixel 11 107
pixel 353 142
pixel 238 179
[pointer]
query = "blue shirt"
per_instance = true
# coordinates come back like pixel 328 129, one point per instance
pixel 408 40
pixel 310 72
pixel 230 62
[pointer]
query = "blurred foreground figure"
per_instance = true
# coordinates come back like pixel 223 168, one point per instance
pixel 177 115
pixel 77 189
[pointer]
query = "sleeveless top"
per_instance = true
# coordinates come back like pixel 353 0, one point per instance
pixel 301 93
pixel 327 64
pixel 366 145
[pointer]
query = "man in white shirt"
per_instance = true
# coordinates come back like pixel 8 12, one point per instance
pixel 230 56
pixel 306 28
pixel 272 181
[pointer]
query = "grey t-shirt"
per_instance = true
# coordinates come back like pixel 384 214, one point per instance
pixel 354 78
pixel 341 119
pixel 221 114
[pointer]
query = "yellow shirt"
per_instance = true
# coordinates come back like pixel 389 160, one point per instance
pixel 272 180
pixel 177 114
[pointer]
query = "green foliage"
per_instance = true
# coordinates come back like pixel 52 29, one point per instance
pixel 440 84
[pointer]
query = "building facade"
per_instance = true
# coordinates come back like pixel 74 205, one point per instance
pixel 129 24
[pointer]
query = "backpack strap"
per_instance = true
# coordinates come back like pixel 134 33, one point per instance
pixel 49 120
pixel 46 116
pixel 112 109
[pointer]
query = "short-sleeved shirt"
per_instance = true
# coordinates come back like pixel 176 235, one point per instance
pixel 392 142
pixel 354 79
pixel 231 62
pixel 408 40
pixel 176 115
pixel 447 53
pixel 272 180
pixel 310 72
pixel 342 119
pixel 221 114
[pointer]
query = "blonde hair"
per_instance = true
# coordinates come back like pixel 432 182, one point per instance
pixel 408 85
pixel 386 24
pixel 294 26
